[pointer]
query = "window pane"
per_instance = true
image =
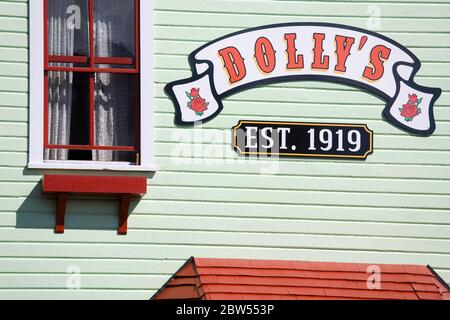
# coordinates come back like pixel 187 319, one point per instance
pixel 114 66
pixel 116 156
pixel 68 27
pixel 89 155
pixel 116 113
pixel 68 65
pixel 114 28
pixel 68 112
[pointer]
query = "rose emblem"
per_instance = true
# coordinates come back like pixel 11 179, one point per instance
pixel 196 102
pixel 195 93
pixel 411 109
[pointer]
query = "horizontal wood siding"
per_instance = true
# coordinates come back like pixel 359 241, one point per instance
pixel 392 208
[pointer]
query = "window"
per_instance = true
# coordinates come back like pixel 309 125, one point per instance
pixel 91 94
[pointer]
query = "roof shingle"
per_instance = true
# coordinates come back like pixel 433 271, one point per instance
pixel 243 279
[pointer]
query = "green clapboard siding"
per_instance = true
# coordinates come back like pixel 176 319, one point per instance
pixel 392 208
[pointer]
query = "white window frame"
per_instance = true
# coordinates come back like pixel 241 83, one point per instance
pixel 36 91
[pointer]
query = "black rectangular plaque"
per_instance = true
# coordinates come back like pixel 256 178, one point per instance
pixel 301 139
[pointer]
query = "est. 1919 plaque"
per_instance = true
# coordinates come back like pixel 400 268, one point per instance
pixel 301 139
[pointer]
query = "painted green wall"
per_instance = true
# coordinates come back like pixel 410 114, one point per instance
pixel 393 208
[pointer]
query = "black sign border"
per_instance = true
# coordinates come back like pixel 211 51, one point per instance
pixel 168 89
pixel 302 155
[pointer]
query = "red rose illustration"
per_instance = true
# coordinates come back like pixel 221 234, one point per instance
pixel 411 108
pixel 413 99
pixel 409 111
pixel 199 105
pixel 195 93
pixel 196 102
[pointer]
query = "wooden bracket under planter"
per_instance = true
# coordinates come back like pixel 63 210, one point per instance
pixel 123 187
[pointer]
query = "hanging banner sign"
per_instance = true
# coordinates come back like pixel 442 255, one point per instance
pixel 300 139
pixel 305 51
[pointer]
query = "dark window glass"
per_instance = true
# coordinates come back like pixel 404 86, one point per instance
pixel 68 27
pixel 114 28
pixel 115 109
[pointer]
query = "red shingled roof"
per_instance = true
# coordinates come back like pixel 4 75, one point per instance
pixel 235 279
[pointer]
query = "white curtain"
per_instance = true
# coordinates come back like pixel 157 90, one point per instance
pixel 60 42
pixel 113 96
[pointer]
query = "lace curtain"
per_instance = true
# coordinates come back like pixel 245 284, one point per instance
pixel 60 42
pixel 113 95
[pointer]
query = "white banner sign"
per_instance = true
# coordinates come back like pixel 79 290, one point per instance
pixel 310 51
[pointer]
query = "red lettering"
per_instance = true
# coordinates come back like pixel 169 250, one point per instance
pixel 233 63
pixel 265 55
pixel 295 61
pixel 320 61
pixel 378 55
pixel 343 47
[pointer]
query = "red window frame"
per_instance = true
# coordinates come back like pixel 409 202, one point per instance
pixel 92 60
